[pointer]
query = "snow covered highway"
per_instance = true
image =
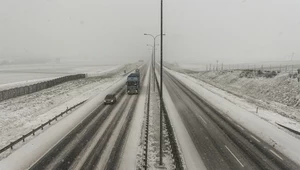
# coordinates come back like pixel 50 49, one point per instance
pixel 126 135
pixel 221 142
pixel 96 143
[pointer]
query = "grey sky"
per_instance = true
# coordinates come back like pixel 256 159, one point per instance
pixel 231 31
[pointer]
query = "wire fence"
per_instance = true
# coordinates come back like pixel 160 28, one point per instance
pixel 285 68
pixel 41 127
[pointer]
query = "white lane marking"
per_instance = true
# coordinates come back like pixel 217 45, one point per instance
pixel 255 138
pixel 202 119
pixel 276 154
pixel 234 156
pixel 239 126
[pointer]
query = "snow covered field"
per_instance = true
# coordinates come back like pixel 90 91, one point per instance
pixel 11 75
pixel 261 124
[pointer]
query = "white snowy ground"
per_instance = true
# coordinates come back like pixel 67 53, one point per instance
pixel 17 76
pixel 20 115
pixel 26 155
pixel 261 124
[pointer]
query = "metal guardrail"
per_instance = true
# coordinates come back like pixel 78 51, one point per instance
pixel 146 133
pixel 175 149
pixel 290 129
pixel 41 127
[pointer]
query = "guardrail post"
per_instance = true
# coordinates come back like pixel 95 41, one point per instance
pixel 2 93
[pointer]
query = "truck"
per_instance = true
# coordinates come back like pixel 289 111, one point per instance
pixel 133 83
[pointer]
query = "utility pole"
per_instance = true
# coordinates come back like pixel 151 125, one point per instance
pixel 161 85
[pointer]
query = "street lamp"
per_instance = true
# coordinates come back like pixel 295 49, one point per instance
pixel 161 85
pixel 154 38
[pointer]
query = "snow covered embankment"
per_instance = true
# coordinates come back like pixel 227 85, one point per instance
pixel 280 94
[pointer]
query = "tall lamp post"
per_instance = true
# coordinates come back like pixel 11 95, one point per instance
pixel 161 84
pixel 153 53
pixel 154 38
pixel 153 56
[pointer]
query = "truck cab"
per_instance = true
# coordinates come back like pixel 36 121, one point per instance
pixel 133 83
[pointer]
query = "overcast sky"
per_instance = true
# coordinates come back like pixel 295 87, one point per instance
pixel 202 31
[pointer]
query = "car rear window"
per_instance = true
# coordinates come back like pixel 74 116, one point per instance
pixel 110 96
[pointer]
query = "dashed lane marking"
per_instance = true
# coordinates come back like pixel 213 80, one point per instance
pixel 276 154
pixel 202 119
pixel 239 126
pixel 234 156
pixel 255 138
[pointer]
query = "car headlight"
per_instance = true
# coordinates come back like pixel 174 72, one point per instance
pixel 111 100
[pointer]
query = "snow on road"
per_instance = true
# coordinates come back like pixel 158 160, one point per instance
pixel 20 115
pixel 191 157
pixel 134 140
pixel 37 147
pixel 244 114
pixel 265 114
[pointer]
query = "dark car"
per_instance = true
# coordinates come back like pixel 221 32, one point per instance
pixel 110 99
